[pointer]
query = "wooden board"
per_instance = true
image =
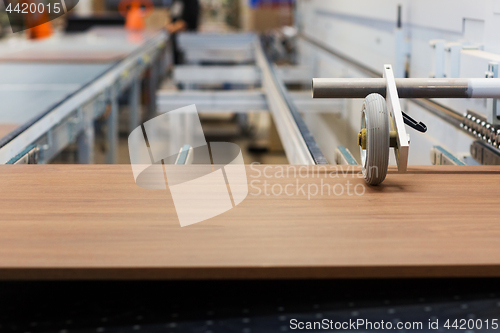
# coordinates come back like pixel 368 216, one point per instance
pixel 93 222
pixel 63 56
pixel 7 128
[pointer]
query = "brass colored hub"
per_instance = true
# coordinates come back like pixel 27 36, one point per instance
pixel 393 139
pixel 362 138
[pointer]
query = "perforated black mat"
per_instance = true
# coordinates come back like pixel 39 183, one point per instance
pixel 242 306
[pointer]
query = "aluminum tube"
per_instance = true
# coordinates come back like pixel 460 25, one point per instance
pixel 484 88
pixel 347 88
pixel 408 88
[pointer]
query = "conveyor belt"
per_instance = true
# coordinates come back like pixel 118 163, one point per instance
pixel 298 143
pixel 30 91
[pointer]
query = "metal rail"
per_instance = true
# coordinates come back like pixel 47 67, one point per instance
pixel 298 142
pixel 237 74
pixel 240 101
pixel 341 56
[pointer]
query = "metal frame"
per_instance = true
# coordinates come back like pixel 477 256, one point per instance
pixel 194 74
pixel 440 156
pixel 239 74
pixel 234 48
pixel 397 124
pixel 240 101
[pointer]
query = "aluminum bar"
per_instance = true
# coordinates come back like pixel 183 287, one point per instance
pixel 407 88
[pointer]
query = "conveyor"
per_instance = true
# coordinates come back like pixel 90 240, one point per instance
pixel 53 90
pixel 265 88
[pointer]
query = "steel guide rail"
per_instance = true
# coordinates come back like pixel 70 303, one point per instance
pixel 73 108
pixel 298 142
pixel 315 151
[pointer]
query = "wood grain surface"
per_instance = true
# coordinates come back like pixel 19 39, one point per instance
pixel 93 222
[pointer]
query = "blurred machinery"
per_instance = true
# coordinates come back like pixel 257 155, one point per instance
pixel 281 45
pixel 135 12
pixel 241 73
pixel 354 39
pixel 230 73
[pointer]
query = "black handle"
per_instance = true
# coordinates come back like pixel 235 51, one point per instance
pixel 419 126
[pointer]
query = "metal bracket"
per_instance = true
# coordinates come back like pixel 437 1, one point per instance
pixel 455 50
pixel 185 155
pixel 397 124
pixel 493 112
pixel 485 154
pixel 29 155
pixel 440 156
pixel 439 47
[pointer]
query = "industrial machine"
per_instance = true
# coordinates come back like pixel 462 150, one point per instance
pixel 382 121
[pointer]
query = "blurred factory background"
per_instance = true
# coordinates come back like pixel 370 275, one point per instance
pixel 74 42
pixel 248 66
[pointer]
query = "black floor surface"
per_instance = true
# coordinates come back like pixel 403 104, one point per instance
pixel 248 306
